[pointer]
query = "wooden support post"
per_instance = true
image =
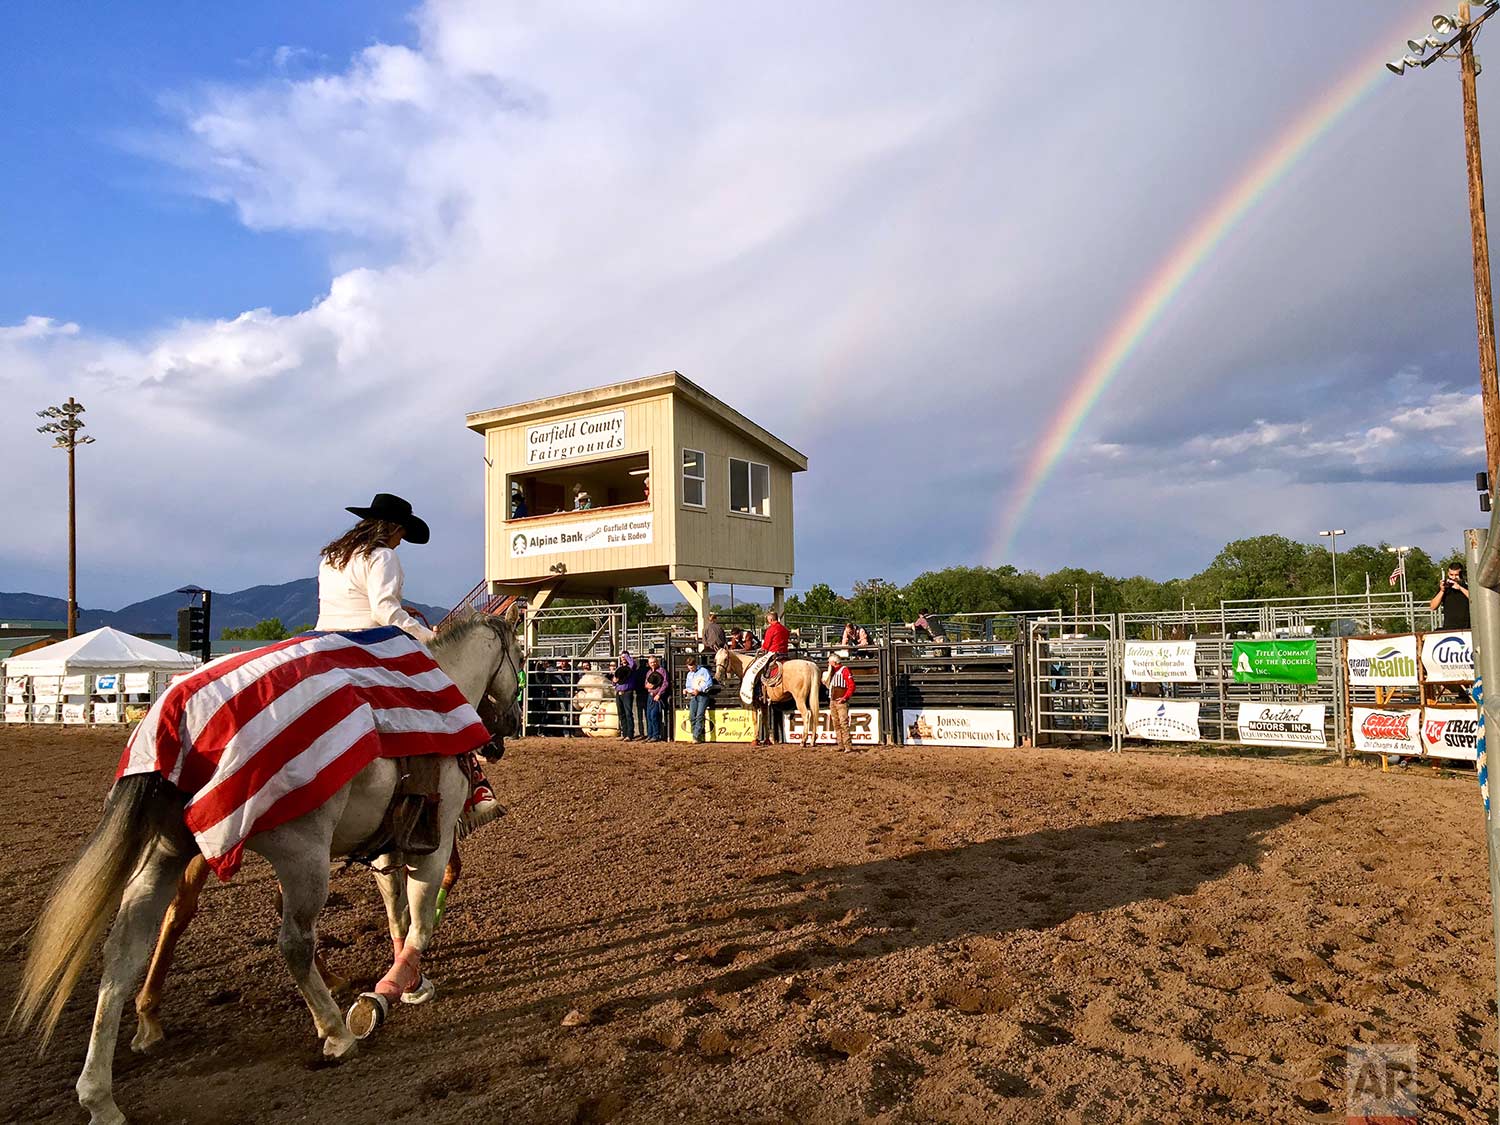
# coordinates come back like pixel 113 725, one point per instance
pixel 1484 310
pixel 696 594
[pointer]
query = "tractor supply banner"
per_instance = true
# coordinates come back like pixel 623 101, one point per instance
pixel 721 724
pixel 1161 662
pixel 864 727
pixel 1164 720
pixel 1275 662
pixel 1378 731
pixel 1383 662
pixel 1451 733
pixel 1448 658
pixel 954 726
pixel 589 436
pixel 1278 724
pixel 566 536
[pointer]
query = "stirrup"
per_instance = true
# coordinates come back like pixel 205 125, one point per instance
pixel 366 1014
pixel 424 992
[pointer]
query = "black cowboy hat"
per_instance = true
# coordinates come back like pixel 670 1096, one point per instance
pixel 393 509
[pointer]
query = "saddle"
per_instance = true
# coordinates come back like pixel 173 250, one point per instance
pixel 410 825
pixel 771 675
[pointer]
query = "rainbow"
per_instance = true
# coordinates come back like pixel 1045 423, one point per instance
pixel 1174 272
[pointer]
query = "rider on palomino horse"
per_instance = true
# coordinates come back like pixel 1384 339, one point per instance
pixel 775 643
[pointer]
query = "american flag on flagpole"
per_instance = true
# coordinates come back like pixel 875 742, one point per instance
pixel 1400 571
pixel 259 738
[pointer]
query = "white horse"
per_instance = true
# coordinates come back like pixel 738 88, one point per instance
pixel 131 865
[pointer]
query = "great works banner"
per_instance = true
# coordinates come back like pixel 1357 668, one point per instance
pixel 1383 662
pixel 1161 662
pixel 1448 658
pixel 1378 731
pixel 1278 724
pixel 1276 662
pixel 1165 720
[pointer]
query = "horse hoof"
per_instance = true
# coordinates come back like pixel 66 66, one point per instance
pixel 148 1034
pixel 365 1016
pixel 424 992
pixel 339 1048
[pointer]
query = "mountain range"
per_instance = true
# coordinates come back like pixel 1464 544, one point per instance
pixel 296 603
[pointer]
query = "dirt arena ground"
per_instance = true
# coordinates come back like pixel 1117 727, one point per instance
pixel 900 935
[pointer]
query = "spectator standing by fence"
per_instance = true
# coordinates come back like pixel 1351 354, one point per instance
pixel 840 689
pixel 625 679
pixel 850 637
pixel 713 635
pixel 696 687
pixel 1453 595
pixel 656 694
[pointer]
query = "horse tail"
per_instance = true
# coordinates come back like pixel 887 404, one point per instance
pixel 814 682
pixel 82 902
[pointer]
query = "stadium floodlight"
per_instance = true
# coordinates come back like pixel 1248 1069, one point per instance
pixel 1417 47
pixel 1411 60
pixel 1444 25
pixel 1434 41
pixel 1397 67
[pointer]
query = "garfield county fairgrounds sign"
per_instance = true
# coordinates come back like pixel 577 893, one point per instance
pixel 588 436
pixel 581 535
pixel 864 728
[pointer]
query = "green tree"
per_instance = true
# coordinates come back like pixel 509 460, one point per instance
pixel 820 601
pixel 876 600
pixel 270 629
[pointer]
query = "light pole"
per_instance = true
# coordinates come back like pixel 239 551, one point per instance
pixel 1400 573
pixel 1333 545
pixel 65 423
pixel 1463 30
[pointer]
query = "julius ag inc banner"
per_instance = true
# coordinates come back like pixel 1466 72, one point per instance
pixel 1276 662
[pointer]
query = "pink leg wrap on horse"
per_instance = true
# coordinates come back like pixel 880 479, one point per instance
pixel 404 976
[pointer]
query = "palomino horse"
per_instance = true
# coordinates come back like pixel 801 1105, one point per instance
pixel 799 683
pixel 131 866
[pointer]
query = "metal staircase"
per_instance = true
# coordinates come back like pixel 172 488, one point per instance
pixel 480 600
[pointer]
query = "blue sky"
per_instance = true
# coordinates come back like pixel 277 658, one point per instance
pixel 280 251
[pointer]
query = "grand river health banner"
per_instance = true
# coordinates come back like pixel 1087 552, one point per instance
pixel 1383 662
pixel 1276 662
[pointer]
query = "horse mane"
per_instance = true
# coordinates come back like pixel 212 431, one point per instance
pixel 465 626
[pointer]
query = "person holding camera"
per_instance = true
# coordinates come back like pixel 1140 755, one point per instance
pixel 1453 596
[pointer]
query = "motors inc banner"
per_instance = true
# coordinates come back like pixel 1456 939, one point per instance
pixel 1276 662
pixel 1276 724
pixel 1161 662
pixel 1383 662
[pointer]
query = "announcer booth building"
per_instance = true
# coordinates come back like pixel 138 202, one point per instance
pixel 679 488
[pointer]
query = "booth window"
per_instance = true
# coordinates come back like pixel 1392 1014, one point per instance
pixel 615 483
pixel 749 488
pixel 694 478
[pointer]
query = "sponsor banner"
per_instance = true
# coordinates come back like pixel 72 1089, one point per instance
pixel 1448 658
pixel 15 687
pixel 720 724
pixel 15 712
pixel 1383 662
pixel 864 727
pixel 589 436
pixel 1380 731
pixel 1278 724
pixel 139 683
pixel 1161 662
pixel 46 685
pixel 106 712
pixel 74 685
pixel 1165 720
pixel 955 726
pixel 107 683
pixel 1451 733
pixel 1275 662
pixel 564 537
pixel 44 712
pixel 135 712
pixel 75 712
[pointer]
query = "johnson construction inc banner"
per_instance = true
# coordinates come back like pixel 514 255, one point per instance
pixel 1451 733
pixel 957 726
pixel 1383 662
pixel 1161 662
pixel 1381 731
pixel 1163 720
pixel 1276 662
pixel 1279 724
pixel 1448 658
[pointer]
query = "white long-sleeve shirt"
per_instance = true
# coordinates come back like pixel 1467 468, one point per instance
pixel 366 594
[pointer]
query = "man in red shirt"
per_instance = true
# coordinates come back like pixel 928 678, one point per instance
pixel 777 637
pixel 840 688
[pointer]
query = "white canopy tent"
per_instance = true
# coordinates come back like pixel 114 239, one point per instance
pixel 102 676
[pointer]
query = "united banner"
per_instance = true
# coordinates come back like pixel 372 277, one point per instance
pixel 1276 662
pixel 1448 658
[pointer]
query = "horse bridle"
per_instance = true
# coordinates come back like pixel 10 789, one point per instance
pixel 494 750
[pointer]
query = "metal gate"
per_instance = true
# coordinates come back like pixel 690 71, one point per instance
pixel 1075 691
pixel 964 675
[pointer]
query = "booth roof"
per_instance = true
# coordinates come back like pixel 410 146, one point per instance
pixel 103 650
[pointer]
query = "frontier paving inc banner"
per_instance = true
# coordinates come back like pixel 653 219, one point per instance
pixel 1276 662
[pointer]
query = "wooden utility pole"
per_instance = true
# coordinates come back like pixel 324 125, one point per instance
pixel 72 535
pixel 1484 309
